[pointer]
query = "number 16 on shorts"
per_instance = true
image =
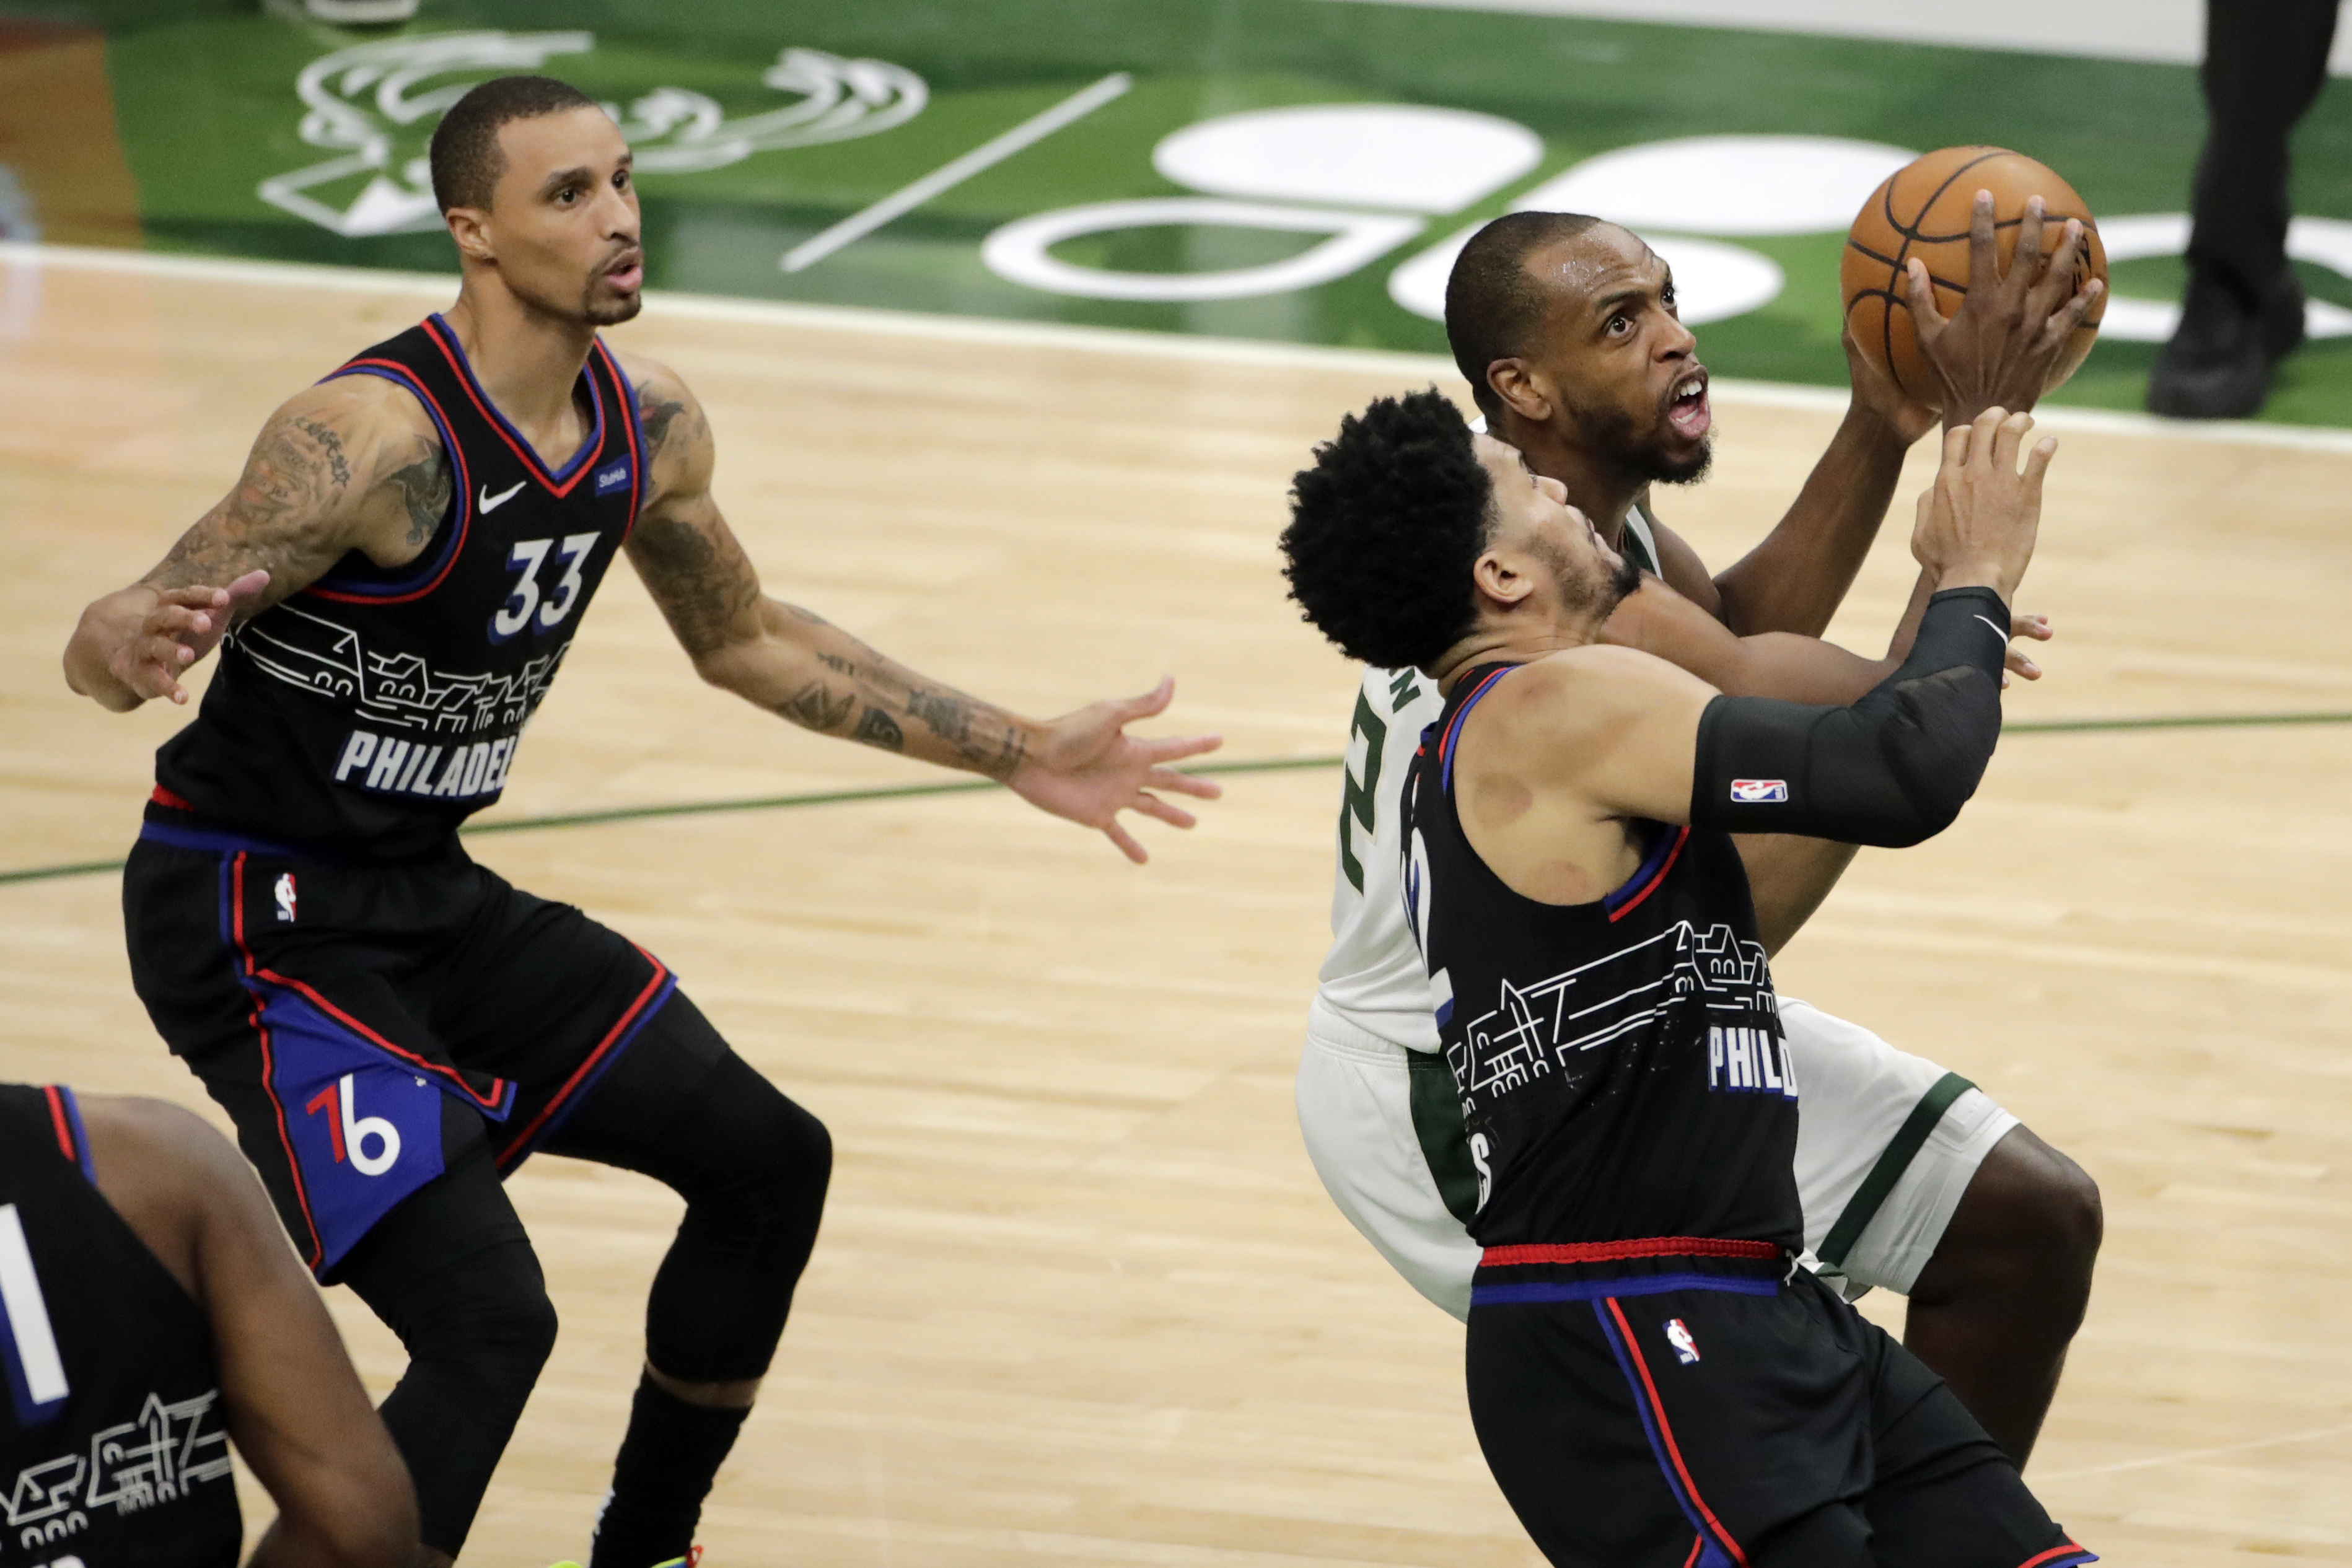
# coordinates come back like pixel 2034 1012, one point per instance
pixel 365 1131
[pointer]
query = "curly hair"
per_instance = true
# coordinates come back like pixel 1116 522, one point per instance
pixel 464 157
pixel 1384 529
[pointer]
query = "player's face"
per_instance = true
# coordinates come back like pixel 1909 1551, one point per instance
pixel 1622 366
pixel 1534 521
pixel 563 223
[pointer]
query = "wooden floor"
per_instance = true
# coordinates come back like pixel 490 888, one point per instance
pixel 1079 1299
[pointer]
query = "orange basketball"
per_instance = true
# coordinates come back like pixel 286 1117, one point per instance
pixel 1923 210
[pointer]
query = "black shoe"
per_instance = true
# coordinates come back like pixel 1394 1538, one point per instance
pixel 2219 362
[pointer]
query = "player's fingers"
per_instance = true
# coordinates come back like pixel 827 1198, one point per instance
pixel 251 583
pixel 1191 784
pixel 1984 254
pixel 1170 747
pixel 1919 298
pixel 2059 276
pixel 2074 312
pixel 1125 842
pixel 2008 437
pixel 2034 626
pixel 179 621
pixel 2037 462
pixel 2022 666
pixel 1151 805
pixel 1150 703
pixel 2024 262
pixel 196 596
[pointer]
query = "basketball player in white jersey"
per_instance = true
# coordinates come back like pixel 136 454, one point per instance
pixel 1912 1178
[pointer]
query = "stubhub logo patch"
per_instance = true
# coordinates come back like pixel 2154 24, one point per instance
pixel 611 479
pixel 1759 792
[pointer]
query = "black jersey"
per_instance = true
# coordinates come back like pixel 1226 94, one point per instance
pixel 116 1451
pixel 1621 1063
pixel 375 710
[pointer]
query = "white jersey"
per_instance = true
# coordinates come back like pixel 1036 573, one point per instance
pixel 1373 976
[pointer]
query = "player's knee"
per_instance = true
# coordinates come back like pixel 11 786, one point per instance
pixel 776 1158
pixel 2032 1220
pixel 497 1335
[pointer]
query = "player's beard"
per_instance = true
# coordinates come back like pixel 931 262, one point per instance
pixel 609 309
pixel 1617 437
pixel 1585 593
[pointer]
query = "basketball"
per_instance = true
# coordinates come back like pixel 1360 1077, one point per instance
pixel 1922 210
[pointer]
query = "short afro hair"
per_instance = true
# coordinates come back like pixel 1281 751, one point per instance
pixel 1384 531
pixel 1493 308
pixel 465 159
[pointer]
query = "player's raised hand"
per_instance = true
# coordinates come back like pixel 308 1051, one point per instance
pixel 185 624
pixel 1979 520
pixel 1089 769
pixel 1998 349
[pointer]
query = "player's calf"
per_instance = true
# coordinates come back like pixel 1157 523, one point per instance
pixel 1996 1307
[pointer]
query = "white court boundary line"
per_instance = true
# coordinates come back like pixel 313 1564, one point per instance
pixel 1053 335
pixel 949 175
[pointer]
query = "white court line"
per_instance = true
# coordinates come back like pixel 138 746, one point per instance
pixel 1406 368
pixel 996 150
pixel 2187 1454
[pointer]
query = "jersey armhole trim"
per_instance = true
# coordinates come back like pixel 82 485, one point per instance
pixel 64 1116
pixel 351 590
pixel 632 431
pixel 1454 731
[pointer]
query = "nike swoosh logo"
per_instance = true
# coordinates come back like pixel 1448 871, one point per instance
pixel 1996 631
pixel 490 502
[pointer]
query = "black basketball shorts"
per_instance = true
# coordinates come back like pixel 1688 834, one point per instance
pixel 1679 1412
pixel 367 1025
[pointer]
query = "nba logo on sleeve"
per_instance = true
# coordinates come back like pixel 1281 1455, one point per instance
pixel 1759 792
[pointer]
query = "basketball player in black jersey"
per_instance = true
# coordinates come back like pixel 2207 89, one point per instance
pixel 393 585
pixel 1566 328
pixel 150 1318
pixel 1655 1381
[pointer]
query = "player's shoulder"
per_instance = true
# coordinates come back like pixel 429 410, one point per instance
pixel 1579 692
pixel 667 409
pixel 349 415
pixel 165 1171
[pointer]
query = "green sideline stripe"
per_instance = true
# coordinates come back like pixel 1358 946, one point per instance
pixel 1264 765
pixel 706 808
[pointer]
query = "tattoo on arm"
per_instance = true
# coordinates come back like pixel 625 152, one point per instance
pixel 276 519
pixel 817 706
pixel 878 728
pixel 699 576
pixel 423 486
pixel 665 414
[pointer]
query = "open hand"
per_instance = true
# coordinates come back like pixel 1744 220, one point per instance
pixel 1998 349
pixel 1979 520
pixel 184 626
pixel 1089 769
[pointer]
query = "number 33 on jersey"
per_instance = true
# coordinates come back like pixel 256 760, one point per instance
pixel 384 704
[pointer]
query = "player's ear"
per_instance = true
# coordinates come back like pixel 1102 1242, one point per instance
pixel 470 227
pixel 1503 579
pixel 1522 391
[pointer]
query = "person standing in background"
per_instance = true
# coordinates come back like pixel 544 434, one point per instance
pixel 2265 61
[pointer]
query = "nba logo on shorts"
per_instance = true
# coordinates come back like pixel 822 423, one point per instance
pixel 1759 792
pixel 1678 1335
pixel 284 891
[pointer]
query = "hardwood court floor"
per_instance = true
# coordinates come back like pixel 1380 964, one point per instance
pixel 1080 1297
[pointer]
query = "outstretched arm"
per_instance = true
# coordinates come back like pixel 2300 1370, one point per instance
pixel 347 464
pixel 293 1405
pixel 793 662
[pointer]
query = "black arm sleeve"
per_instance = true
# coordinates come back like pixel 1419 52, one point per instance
pixel 1893 770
